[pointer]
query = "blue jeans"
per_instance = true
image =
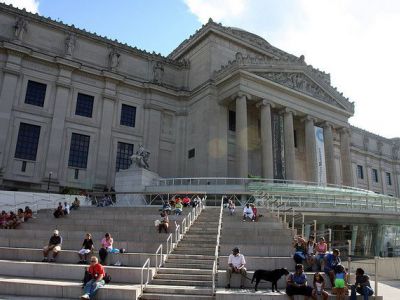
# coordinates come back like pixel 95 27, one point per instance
pixel 366 291
pixel 92 286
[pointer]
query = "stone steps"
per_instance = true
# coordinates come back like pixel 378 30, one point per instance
pixel 189 275
pixel 162 296
pixel 40 287
pixel 58 271
pixel 71 256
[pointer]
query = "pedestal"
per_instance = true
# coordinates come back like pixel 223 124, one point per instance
pixel 133 180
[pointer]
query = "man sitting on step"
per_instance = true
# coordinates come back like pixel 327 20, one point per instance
pixel 236 264
pixel 54 245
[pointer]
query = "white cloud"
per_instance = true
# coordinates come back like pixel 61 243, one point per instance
pixel 355 41
pixel 216 9
pixel 30 5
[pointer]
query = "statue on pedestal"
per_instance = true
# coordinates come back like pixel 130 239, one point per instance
pixel 141 158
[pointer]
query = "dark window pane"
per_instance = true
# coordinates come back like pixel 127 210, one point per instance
pixel 28 140
pixel 388 178
pixel 191 153
pixel 79 150
pixel 360 172
pixel 128 115
pixel 23 167
pixel 84 105
pixel 232 120
pixel 124 152
pixel 35 93
pixel 375 175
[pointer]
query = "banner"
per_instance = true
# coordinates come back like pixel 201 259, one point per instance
pixel 320 151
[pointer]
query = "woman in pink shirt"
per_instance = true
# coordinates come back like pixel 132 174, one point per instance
pixel 320 250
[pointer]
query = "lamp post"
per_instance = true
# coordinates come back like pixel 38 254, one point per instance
pixel 48 182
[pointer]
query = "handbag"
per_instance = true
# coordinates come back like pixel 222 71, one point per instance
pixel 107 278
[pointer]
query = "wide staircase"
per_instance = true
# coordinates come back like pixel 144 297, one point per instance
pixel 187 272
pixel 22 272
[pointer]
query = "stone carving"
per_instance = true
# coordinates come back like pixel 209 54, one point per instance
pixel 69 44
pixel 141 158
pixel 300 82
pixel 158 72
pixel 21 25
pixel 113 59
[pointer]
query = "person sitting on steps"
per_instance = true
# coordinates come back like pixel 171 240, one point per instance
pixel 87 248
pixel 236 264
pixel 54 245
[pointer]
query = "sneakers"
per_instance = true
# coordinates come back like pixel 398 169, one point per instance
pixel 86 296
pixel 242 286
pixel 118 263
pixel 51 260
pixel 45 259
pixel 228 286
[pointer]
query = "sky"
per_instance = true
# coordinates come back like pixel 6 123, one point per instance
pixel 356 41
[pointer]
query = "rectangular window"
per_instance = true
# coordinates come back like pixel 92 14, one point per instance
pixel 232 120
pixel 28 140
pixel 78 151
pixel 360 172
pixel 388 178
pixel 375 175
pixel 128 115
pixel 23 167
pixel 191 153
pixel 84 105
pixel 124 153
pixel 76 174
pixel 35 93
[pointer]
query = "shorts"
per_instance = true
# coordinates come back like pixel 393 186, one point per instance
pixel 84 251
pixel 55 249
pixel 339 283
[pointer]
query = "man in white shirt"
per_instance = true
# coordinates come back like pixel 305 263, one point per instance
pixel 247 213
pixel 236 264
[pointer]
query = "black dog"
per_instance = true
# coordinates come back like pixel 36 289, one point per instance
pixel 272 276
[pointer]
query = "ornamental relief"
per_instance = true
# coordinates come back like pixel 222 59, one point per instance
pixel 301 83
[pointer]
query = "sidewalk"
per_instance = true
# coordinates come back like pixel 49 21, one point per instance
pixel 389 289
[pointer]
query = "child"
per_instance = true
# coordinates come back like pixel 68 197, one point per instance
pixel 319 287
pixel 231 207
pixel 340 282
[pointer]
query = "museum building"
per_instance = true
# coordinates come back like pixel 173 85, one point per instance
pixel 74 106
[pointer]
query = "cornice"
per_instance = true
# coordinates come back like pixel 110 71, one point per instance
pixel 289 67
pixel 92 35
pixel 250 39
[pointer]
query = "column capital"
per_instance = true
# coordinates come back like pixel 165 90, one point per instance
pixel 265 102
pixel 240 95
pixel 344 130
pixel 308 118
pixel 288 110
pixel 326 124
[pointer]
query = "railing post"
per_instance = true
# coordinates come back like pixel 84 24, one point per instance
pixel 302 224
pixel 315 230
pixel 293 220
pixel 376 275
pixel 330 239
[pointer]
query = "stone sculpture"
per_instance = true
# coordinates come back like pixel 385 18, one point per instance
pixel 141 158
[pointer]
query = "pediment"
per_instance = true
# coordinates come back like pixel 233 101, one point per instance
pixel 302 83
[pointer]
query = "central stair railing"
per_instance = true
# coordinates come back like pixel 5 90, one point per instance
pixel 215 264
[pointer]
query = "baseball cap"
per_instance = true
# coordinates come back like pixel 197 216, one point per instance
pixel 236 249
pixel 55 232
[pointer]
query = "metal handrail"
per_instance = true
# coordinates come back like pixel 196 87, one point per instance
pixel 159 250
pixel 169 244
pixel 147 263
pixel 177 234
pixel 215 265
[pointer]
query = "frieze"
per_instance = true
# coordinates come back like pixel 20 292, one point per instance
pixel 301 83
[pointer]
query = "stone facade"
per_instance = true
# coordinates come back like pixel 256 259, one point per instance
pixel 224 103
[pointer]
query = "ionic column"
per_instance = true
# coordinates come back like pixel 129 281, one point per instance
pixel 347 178
pixel 289 144
pixel 266 139
pixel 241 137
pixel 311 152
pixel 329 154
